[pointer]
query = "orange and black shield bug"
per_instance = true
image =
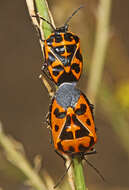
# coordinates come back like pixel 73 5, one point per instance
pixel 72 125
pixel 63 56
pixel 72 122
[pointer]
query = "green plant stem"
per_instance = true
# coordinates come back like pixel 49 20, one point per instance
pixel 78 174
pixel 19 160
pixel 43 12
pixel 101 41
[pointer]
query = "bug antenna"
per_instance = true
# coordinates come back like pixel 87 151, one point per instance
pixel 62 177
pixel 69 18
pixel 46 21
pixel 97 171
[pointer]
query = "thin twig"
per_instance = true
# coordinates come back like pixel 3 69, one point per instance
pixel 47 85
pixel 19 160
pixel 70 173
pixel 31 9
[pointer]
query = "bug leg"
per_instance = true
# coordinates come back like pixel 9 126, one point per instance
pixel 50 134
pixel 93 151
pixel 44 66
pixel 92 166
pixel 47 121
pixel 47 118
pixel 59 154
pixel 43 69
pixel 62 177
pixel 95 169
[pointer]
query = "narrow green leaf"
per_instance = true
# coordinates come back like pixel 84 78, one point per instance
pixel 43 12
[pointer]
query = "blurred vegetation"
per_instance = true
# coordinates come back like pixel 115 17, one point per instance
pixel 112 101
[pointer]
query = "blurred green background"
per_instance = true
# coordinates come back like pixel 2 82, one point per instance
pixel 24 100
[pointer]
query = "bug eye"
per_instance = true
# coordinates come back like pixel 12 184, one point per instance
pixel 59 114
pixel 81 110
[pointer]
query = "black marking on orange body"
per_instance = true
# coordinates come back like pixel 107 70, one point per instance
pixel 88 122
pixel 81 110
pixel 64 134
pixel 59 114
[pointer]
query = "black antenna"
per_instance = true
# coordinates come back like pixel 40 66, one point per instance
pixel 62 177
pixel 69 18
pixel 97 171
pixel 46 21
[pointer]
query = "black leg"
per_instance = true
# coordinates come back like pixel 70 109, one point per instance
pixel 44 66
pixel 91 152
pixel 47 118
pixel 62 177
pixel 96 170
pixel 51 139
pixel 59 154
pixel 43 69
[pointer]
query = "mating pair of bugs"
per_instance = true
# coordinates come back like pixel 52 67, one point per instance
pixel 70 113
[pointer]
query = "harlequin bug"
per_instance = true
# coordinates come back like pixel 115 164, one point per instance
pixel 62 52
pixel 72 122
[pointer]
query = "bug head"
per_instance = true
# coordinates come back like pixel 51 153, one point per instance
pixel 63 28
